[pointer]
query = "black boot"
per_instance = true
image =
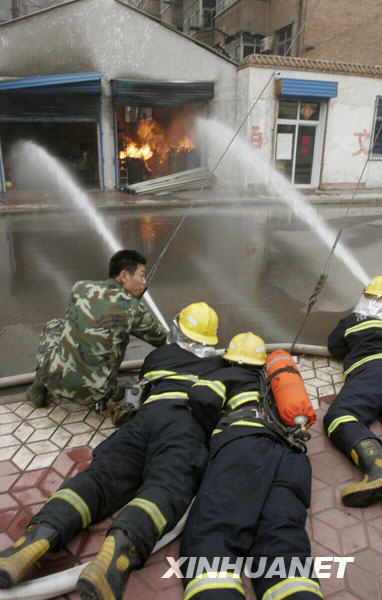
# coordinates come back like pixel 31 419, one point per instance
pixel 25 552
pixel 368 456
pixel 37 393
pixel 105 577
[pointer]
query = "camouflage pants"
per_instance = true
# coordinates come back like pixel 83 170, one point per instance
pixel 78 389
pixel 50 337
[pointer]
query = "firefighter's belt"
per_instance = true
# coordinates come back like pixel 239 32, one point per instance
pixel 246 413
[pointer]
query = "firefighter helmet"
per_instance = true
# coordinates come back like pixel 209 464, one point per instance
pixel 375 286
pixel 199 322
pixel 246 348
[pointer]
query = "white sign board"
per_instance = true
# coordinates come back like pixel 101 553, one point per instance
pixel 284 146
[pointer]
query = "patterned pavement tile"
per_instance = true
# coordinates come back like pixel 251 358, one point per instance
pixel 40 448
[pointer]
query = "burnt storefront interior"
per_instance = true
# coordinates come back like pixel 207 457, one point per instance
pixel 155 132
pixel 75 145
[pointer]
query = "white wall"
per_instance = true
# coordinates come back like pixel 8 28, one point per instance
pixel 351 112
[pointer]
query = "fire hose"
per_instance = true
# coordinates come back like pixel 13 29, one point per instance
pixel 25 378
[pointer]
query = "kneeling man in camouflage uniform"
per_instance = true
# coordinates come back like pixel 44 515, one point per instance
pixel 79 356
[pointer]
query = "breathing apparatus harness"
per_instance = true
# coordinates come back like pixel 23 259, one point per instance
pixel 267 415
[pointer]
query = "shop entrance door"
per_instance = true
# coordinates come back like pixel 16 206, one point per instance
pixel 298 144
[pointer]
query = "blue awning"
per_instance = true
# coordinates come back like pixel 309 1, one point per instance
pixel 71 97
pixel 308 89
pixel 68 83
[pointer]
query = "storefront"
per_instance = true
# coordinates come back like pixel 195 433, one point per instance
pixel 60 112
pixel 154 128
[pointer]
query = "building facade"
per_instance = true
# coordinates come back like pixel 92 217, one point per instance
pixel 109 85
pixel 341 30
pixel 116 94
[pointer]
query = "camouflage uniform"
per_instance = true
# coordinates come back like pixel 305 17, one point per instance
pixel 79 356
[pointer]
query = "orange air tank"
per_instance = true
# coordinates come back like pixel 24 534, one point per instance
pixel 288 389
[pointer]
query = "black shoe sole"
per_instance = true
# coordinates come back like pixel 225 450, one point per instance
pixel 87 591
pixel 362 498
pixel 5 580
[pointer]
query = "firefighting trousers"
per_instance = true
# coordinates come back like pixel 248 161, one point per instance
pixel 357 405
pixel 150 468
pixel 249 515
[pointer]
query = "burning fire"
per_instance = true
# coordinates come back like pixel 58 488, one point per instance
pixel 133 151
pixel 185 144
pixel 151 143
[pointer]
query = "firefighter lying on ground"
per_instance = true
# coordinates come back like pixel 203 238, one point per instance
pixel 358 340
pixel 150 468
pixel 254 495
pixel 79 357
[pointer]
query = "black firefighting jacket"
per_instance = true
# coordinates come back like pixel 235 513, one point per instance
pixel 243 411
pixel 358 340
pixel 183 376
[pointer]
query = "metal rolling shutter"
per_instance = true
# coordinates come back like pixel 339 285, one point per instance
pixel 132 92
pixel 53 98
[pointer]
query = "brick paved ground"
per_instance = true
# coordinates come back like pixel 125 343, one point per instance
pixel 40 448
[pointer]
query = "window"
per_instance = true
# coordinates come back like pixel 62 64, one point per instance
pixel 284 41
pixel 376 137
pixel 223 4
pixel 242 44
pixel 200 14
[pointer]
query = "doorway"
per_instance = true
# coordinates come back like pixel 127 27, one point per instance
pixel 298 143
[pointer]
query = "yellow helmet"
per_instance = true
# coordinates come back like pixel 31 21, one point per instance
pixel 199 322
pixel 246 348
pixel 375 286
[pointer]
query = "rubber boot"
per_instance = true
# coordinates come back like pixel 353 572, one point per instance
pixel 25 552
pixel 368 456
pixel 105 577
pixel 37 393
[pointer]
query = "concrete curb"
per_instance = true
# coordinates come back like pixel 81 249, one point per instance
pixel 329 201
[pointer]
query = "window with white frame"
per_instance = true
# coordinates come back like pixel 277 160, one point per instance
pixel 199 15
pixel 223 4
pixel 284 41
pixel 376 137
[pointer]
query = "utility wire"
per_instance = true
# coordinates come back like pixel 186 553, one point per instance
pixel 210 175
pixel 325 272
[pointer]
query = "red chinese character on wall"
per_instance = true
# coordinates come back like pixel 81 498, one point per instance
pixel 362 137
pixel 256 137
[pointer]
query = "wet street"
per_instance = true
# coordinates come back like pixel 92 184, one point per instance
pixel 256 264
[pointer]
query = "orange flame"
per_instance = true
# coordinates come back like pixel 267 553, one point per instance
pixel 185 145
pixel 152 145
pixel 133 151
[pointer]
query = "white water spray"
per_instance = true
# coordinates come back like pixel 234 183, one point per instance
pixel 38 160
pixel 248 162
